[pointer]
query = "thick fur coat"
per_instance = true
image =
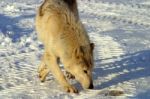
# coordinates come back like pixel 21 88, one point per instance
pixel 65 39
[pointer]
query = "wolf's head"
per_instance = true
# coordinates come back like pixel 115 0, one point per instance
pixel 82 65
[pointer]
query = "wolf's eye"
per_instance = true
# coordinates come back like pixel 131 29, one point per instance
pixel 85 71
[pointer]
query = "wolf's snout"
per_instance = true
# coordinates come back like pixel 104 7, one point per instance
pixel 91 86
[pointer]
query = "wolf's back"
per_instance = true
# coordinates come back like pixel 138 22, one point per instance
pixel 55 17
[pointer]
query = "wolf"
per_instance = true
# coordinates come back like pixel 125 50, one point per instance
pixel 65 40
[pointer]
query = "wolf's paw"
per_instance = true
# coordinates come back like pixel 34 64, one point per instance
pixel 43 74
pixel 69 75
pixel 70 89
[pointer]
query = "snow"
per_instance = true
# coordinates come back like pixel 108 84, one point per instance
pixel 120 30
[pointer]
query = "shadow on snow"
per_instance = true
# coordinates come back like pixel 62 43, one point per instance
pixel 137 65
pixel 9 26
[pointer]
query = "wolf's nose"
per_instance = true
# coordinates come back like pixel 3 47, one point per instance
pixel 91 86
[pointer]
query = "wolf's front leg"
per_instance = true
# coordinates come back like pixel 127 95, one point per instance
pixel 43 70
pixel 51 62
pixel 43 73
pixel 69 75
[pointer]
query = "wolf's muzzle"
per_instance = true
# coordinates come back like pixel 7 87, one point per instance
pixel 91 86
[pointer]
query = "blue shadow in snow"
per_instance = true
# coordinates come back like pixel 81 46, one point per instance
pixel 143 95
pixel 130 62
pixel 9 26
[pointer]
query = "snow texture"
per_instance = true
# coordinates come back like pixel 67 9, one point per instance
pixel 120 30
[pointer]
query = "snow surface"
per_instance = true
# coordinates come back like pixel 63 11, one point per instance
pixel 120 30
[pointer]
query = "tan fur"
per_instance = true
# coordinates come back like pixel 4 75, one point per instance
pixel 64 38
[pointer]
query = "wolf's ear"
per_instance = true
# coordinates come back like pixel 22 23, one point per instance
pixel 92 45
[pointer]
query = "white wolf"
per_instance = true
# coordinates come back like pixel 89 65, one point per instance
pixel 64 37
